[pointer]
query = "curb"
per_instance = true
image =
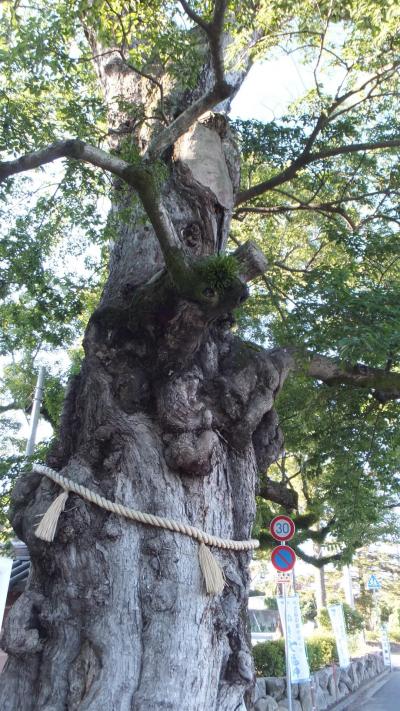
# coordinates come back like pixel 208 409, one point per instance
pixel 373 684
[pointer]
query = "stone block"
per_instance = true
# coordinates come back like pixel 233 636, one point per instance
pixel 320 699
pixel 260 689
pixel 330 700
pixel 345 679
pixel 266 704
pixel 343 689
pixel 305 697
pixel 283 705
pixel 332 686
pixel 276 687
pixel 353 675
pixel 322 676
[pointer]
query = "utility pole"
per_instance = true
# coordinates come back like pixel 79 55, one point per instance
pixel 37 402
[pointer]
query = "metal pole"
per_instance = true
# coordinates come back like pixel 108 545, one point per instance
pixel 288 675
pixel 37 402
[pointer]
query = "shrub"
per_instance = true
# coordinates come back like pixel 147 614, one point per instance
pixel 269 658
pixel 394 633
pixel 372 636
pixel 385 611
pixel 353 619
pixel 321 651
pixel 308 606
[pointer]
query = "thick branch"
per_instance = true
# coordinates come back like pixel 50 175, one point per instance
pixel 74 148
pixel 177 128
pixel 278 493
pixel 305 159
pixel 220 91
pixel 317 562
pixel 252 261
pixel 332 372
pixel 384 384
pixel 138 177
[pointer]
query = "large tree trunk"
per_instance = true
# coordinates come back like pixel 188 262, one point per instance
pixel 173 415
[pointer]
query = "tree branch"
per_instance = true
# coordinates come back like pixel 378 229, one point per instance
pixel 8 407
pixel 354 148
pixel 139 177
pixel 386 385
pixel 197 19
pixel 220 91
pixel 313 560
pixel 308 206
pixel 278 493
pixel 182 123
pixel 305 159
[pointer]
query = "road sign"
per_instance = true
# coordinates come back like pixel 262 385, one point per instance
pixel 282 528
pixel 283 576
pixel 283 558
pixel 373 583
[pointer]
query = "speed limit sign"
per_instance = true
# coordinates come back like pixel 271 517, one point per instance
pixel 282 528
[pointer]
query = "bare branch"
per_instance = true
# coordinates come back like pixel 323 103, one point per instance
pixel 354 148
pixel 314 560
pixel 71 148
pixel 329 208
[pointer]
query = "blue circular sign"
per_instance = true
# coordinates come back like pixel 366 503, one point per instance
pixel 283 558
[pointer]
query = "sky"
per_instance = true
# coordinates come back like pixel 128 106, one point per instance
pixel 271 87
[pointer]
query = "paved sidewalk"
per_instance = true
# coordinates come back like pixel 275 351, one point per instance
pixel 383 697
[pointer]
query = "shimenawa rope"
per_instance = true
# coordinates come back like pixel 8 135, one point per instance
pixel 213 575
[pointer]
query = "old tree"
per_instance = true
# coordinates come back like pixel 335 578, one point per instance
pixel 170 411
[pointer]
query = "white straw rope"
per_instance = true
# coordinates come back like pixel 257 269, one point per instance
pixel 141 517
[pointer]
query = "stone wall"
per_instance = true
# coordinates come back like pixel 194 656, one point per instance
pixel 328 686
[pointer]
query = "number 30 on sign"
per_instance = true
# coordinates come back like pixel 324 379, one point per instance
pixel 282 528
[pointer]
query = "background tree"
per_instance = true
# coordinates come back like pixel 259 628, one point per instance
pixel 171 412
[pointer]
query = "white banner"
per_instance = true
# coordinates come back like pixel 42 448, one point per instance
pixel 339 630
pixel 5 573
pixel 385 647
pixel 299 669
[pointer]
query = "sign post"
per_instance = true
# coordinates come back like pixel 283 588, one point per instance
pixel 288 670
pixel 283 559
pixel 374 585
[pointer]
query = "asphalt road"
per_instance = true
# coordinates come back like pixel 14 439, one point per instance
pixel 386 697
